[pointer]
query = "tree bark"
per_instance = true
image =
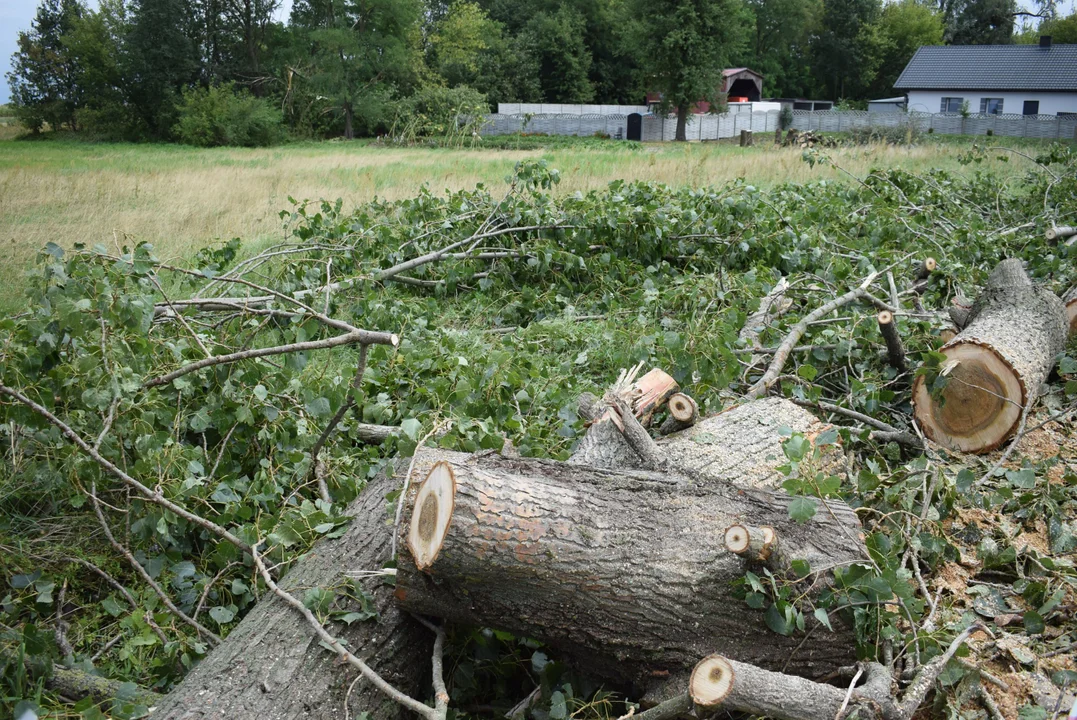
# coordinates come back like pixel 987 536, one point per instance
pixel 994 367
pixel 895 350
pixel 349 132
pixel 624 572
pixel 272 667
pixel 743 444
pixel 682 123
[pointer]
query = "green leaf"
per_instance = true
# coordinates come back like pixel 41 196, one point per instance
pixel 222 614
pixel 778 621
pixel 796 447
pixel 558 706
pixel 802 509
pixel 1032 712
pixel 411 428
pixel 112 607
pixel 319 407
pixel 260 392
pixel 821 616
pixel 1034 624
pixel 318 600
pixel 808 372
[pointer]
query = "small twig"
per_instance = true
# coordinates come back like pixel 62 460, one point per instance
pixel 989 704
pixel 349 401
pixel 925 679
pixel 60 631
pixel 849 694
pixel 1013 443
pixel 367 672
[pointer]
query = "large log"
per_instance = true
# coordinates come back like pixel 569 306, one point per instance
pixel 622 571
pixel 994 367
pixel 743 444
pixel 271 665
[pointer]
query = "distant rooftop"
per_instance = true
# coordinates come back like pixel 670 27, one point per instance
pixel 991 67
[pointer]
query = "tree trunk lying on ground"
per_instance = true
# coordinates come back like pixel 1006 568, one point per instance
pixel 271 665
pixel 624 572
pixel 743 445
pixel 994 367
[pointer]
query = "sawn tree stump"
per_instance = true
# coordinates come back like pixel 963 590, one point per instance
pixel 995 365
pixel 624 572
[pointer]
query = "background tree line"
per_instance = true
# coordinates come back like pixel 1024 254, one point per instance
pixel 228 72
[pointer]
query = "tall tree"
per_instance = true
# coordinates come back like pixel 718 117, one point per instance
pixel 96 43
pixel 556 41
pixel 683 47
pixel 979 22
pixel 780 45
pixel 904 27
pixel 162 58
pixel 361 51
pixel 846 52
pixel 44 74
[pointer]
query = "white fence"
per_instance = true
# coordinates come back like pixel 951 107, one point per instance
pixel 1034 126
pixel 727 125
pixel 654 129
pixel 568 109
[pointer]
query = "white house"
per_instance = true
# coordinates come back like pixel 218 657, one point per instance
pixel 992 79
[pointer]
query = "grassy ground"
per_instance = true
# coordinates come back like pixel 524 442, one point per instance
pixel 181 198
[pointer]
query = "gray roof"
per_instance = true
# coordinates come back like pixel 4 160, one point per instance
pixel 991 67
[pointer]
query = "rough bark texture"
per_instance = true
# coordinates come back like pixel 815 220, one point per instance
pixel 271 667
pixel 624 572
pixel 996 364
pixel 895 350
pixel 741 445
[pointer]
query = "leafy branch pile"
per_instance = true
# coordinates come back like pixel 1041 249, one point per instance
pixel 256 394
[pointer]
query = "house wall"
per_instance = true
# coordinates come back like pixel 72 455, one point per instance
pixel 929 101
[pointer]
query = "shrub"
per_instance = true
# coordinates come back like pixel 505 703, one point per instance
pixel 785 117
pixel 906 133
pixel 221 115
pixel 440 111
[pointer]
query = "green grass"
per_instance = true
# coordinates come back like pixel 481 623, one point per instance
pixel 181 198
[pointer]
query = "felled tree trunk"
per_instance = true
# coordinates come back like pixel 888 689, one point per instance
pixel 624 572
pixel 743 445
pixel 994 367
pixel 271 665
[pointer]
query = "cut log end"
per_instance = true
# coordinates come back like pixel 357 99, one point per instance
pixel 711 681
pixel 737 539
pixel 1071 314
pixel 980 405
pixel 432 515
pixel 886 317
pixel 929 266
pixel 683 408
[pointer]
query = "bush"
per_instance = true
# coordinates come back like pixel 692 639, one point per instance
pixel 906 133
pixel 785 117
pixel 439 111
pixel 221 115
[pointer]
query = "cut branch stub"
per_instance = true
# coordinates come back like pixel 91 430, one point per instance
pixel 432 515
pixel 683 414
pixel 926 268
pixel 996 365
pixel 751 543
pixel 683 408
pixel 895 351
pixel 1057 233
pixel 711 681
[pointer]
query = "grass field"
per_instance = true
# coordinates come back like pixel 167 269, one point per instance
pixel 181 198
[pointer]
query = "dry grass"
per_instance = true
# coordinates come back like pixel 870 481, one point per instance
pixel 180 198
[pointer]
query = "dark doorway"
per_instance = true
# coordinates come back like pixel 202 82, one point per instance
pixel 635 127
pixel 1032 107
pixel 744 88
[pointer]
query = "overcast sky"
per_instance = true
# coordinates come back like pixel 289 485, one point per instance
pixel 15 15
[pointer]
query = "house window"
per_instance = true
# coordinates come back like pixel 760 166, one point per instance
pixel 1032 107
pixel 990 106
pixel 951 104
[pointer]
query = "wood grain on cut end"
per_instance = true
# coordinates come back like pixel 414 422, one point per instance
pixel 737 539
pixel 432 515
pixel 980 405
pixel 1071 310
pixel 711 681
pixel 682 407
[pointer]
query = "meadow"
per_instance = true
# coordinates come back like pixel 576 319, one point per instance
pixel 181 199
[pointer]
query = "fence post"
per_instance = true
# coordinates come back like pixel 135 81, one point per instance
pixel 1058 127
